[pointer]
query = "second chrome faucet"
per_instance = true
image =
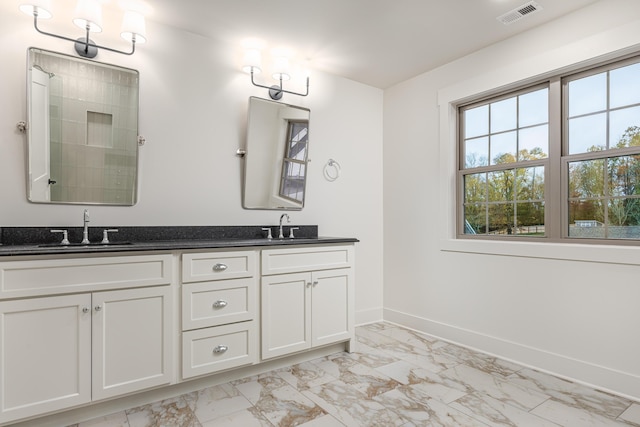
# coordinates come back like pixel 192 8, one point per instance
pixel 85 229
pixel 280 230
pixel 283 216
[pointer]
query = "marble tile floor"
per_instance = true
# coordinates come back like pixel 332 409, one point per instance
pixel 395 377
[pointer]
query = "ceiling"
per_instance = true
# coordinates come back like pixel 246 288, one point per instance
pixel 376 42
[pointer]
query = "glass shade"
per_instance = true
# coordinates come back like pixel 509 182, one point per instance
pixel 133 23
pixel 43 7
pixel 281 68
pixel 252 60
pixel 89 14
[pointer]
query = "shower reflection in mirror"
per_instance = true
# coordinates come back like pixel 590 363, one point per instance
pixel 82 131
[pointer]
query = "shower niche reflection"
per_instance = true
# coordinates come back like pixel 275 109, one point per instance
pixel 82 130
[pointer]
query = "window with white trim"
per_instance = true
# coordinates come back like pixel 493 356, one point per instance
pixel 558 160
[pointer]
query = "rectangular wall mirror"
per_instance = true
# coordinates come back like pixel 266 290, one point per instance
pixel 82 130
pixel 275 168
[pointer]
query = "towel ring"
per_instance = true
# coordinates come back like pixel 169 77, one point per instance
pixel 331 170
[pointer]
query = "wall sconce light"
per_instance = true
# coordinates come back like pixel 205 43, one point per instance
pixel 252 65
pixel 88 16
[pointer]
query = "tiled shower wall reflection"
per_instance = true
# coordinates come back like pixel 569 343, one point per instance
pixel 93 122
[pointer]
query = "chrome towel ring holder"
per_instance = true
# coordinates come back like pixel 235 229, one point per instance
pixel 331 170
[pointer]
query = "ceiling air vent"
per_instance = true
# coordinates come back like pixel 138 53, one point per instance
pixel 519 13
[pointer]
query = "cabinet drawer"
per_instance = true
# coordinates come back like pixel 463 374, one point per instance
pixel 51 276
pixel 215 303
pixel 209 350
pixel 277 261
pixel 217 266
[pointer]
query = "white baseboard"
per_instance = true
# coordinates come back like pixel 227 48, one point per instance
pixel 372 315
pixel 600 377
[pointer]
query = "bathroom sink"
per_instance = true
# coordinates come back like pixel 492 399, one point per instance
pixel 287 241
pixel 83 245
pixel 267 242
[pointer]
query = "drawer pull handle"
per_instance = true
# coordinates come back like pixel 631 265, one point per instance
pixel 219 267
pixel 220 349
pixel 220 304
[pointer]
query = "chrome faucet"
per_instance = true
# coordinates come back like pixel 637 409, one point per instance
pixel 280 235
pixel 85 230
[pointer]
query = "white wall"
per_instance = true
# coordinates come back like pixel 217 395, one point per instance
pixel 193 107
pixel 563 308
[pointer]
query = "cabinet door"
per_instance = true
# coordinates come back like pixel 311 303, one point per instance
pixel 45 359
pixel 131 340
pixel 332 297
pixel 286 314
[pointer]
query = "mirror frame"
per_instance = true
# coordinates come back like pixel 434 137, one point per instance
pixel 120 125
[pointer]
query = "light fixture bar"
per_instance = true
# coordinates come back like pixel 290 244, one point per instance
pixel 84 45
pixel 276 91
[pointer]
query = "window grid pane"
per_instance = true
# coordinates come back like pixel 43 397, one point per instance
pixel 506 202
pixel 510 130
pixel 604 201
pixel 603 108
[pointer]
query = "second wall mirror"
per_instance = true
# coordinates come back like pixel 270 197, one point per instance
pixel 275 168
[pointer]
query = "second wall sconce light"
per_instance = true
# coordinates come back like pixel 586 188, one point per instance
pixel 252 64
pixel 88 16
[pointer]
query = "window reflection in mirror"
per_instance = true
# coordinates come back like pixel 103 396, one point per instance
pixel 276 156
pixel 294 162
pixel 82 130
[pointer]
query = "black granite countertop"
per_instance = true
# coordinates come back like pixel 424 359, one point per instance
pixel 40 241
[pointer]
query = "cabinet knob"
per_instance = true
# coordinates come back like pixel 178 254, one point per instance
pixel 220 349
pixel 219 267
pixel 315 282
pixel 85 309
pixel 220 304
pixel 97 308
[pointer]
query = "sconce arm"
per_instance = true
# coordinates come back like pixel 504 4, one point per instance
pixel 83 41
pixel 277 89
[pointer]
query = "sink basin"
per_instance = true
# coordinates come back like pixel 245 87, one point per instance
pixel 83 245
pixel 263 241
pixel 287 241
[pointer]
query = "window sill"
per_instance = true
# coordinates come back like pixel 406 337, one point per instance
pixel 608 254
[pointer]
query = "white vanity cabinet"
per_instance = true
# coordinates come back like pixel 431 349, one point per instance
pixel 307 298
pixel 80 329
pixel 75 336
pixel 219 300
